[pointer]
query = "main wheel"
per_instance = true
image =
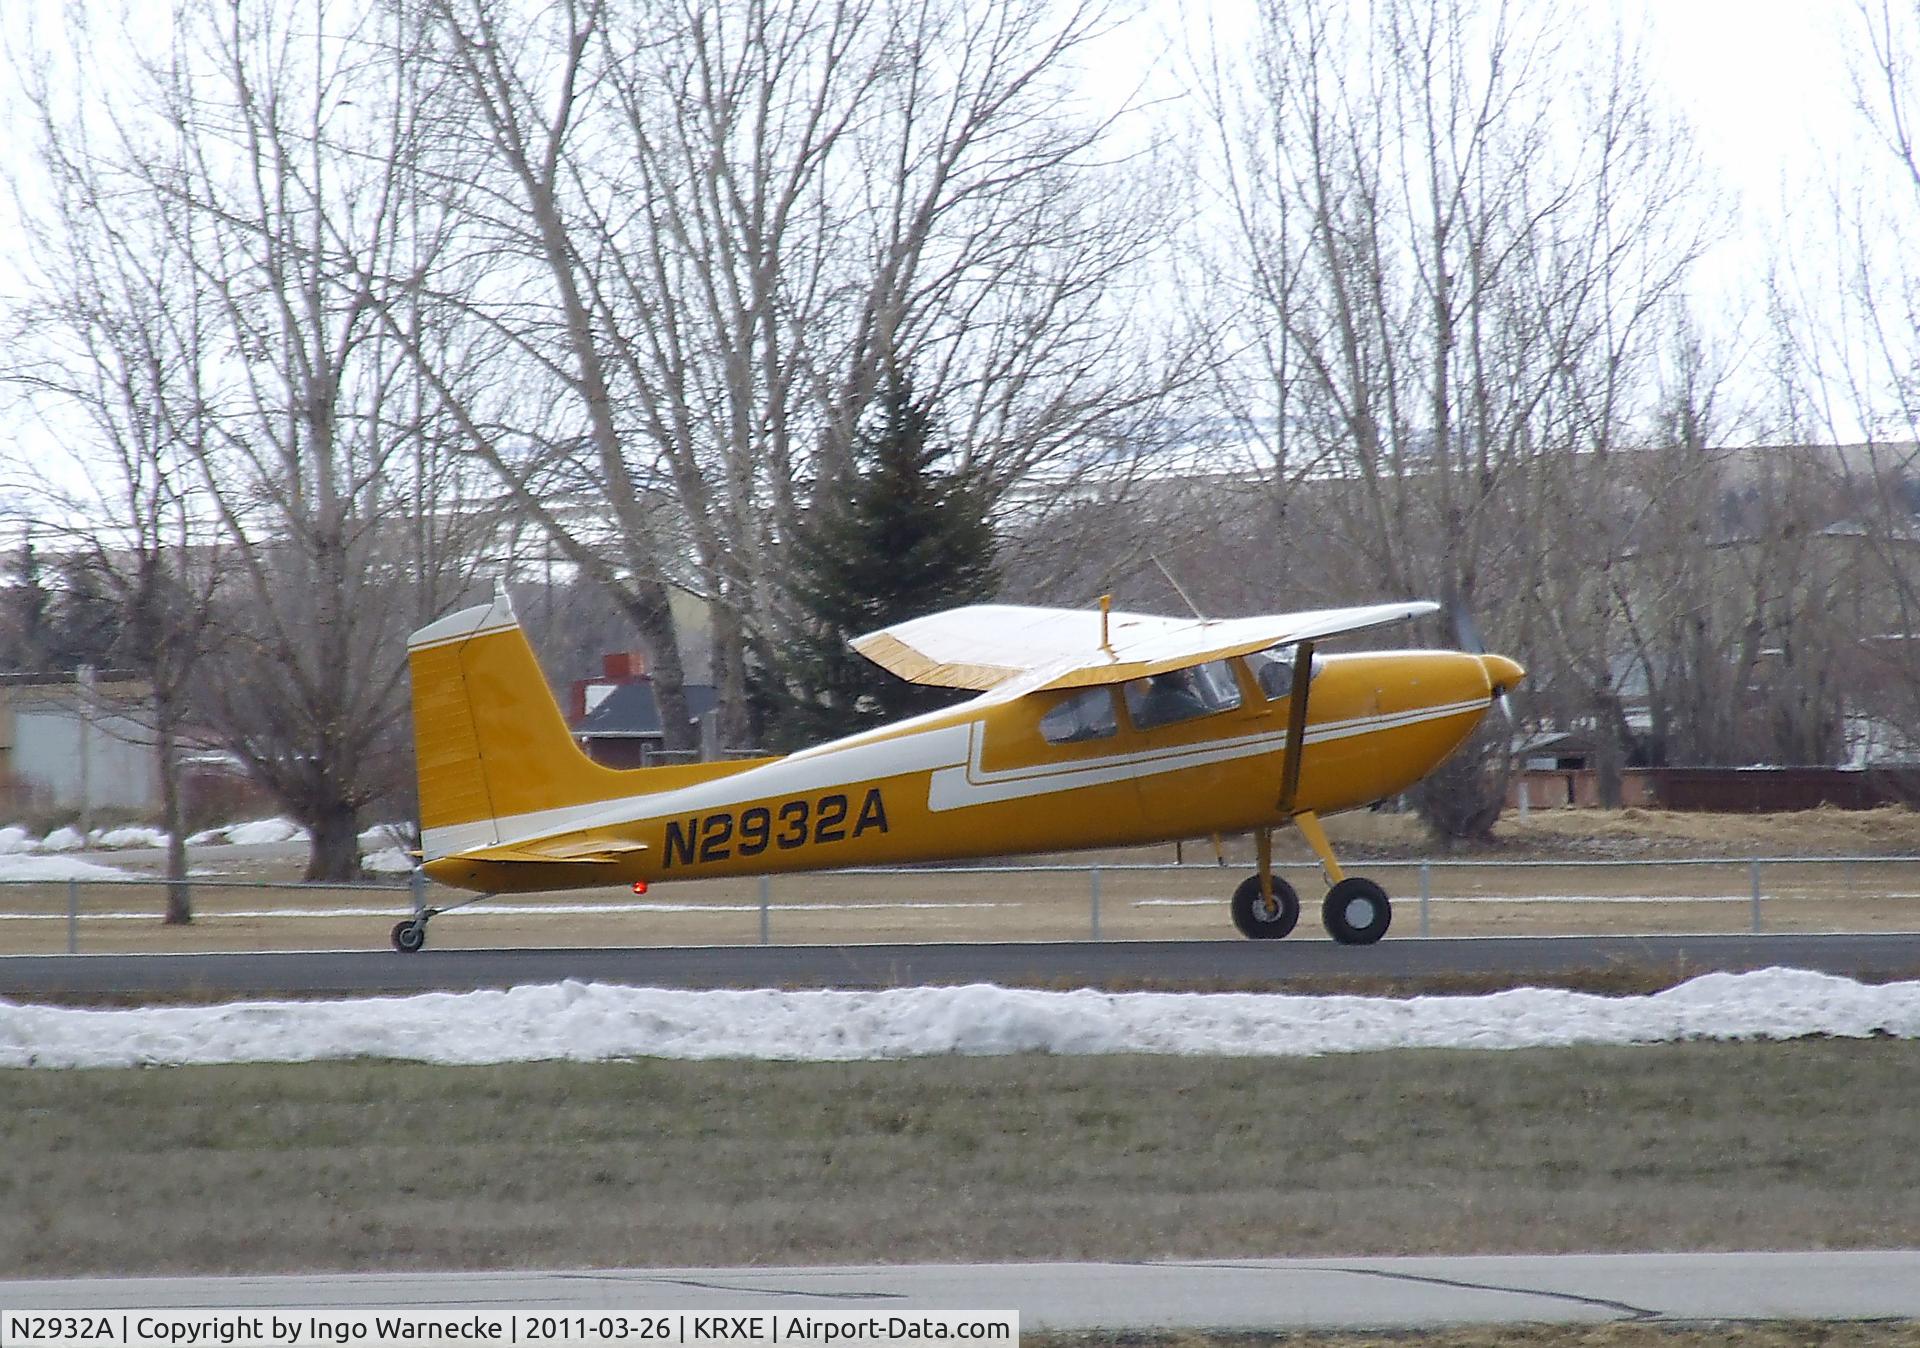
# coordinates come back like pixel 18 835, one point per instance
pixel 1357 911
pixel 1259 921
pixel 409 936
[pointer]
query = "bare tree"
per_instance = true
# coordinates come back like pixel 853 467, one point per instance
pixel 727 221
pixel 1846 311
pixel 268 158
pixel 109 356
pixel 1459 232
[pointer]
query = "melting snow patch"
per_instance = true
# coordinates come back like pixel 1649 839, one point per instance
pixel 13 839
pixel 132 836
pixel 266 831
pixel 592 1022
pixel 15 867
pixel 387 861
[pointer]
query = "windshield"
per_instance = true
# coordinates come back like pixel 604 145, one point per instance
pixel 1273 671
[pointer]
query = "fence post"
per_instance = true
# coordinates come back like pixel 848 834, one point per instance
pixel 73 916
pixel 766 894
pixel 1753 874
pixel 1426 898
pixel 1095 875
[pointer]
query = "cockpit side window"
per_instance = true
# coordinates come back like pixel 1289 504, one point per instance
pixel 1182 694
pixel 1087 715
pixel 1273 671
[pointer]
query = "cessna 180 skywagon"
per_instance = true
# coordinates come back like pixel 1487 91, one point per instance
pixel 1091 729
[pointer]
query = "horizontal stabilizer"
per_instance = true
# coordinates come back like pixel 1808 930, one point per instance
pixel 992 645
pixel 603 851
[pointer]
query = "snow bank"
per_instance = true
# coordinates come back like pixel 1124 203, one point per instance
pixel 63 840
pixel 590 1022
pixel 14 839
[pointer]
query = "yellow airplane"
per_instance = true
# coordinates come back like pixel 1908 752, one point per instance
pixel 1091 729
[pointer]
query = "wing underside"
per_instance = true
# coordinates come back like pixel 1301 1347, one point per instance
pixel 1004 646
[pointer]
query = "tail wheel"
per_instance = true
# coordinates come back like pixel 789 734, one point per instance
pixel 1259 919
pixel 1357 911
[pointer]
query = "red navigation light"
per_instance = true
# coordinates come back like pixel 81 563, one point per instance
pixel 639 886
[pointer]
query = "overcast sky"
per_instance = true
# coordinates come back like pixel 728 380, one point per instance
pixel 1764 83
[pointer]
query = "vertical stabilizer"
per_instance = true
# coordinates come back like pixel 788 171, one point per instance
pixel 490 746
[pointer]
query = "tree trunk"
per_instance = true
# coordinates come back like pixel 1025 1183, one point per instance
pixel 335 850
pixel 173 810
pixel 1609 758
pixel 730 678
pixel 652 616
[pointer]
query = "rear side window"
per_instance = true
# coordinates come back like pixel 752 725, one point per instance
pixel 1086 715
pixel 1182 694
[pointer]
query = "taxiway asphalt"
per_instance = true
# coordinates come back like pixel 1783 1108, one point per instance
pixel 1381 1293
pixel 1198 964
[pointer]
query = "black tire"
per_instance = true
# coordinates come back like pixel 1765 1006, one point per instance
pixel 1250 913
pixel 409 936
pixel 1357 912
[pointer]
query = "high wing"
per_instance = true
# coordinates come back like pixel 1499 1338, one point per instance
pixel 1000 646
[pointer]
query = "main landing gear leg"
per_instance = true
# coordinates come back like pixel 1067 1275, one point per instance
pixel 1356 911
pixel 1265 907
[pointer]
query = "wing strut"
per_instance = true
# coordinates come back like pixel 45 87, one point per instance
pixel 1296 725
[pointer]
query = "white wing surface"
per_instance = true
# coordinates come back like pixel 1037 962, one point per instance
pixel 989 645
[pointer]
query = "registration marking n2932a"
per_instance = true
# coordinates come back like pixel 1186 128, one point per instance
pixel 700 839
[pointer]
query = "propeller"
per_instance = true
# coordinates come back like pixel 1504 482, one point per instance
pixel 1466 636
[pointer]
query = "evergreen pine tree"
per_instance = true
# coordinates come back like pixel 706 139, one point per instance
pixel 25 627
pixel 85 621
pixel 900 540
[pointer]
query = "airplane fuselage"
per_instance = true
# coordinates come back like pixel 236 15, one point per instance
pixel 983 779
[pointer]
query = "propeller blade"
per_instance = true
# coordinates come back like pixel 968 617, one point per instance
pixel 1466 632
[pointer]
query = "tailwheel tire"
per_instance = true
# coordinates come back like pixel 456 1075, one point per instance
pixel 1259 921
pixel 409 936
pixel 1357 912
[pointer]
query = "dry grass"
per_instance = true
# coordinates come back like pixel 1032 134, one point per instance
pixel 1773 1334
pixel 379 1165
pixel 1630 833
pixel 1893 830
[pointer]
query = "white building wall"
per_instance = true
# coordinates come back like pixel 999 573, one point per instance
pixel 120 770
